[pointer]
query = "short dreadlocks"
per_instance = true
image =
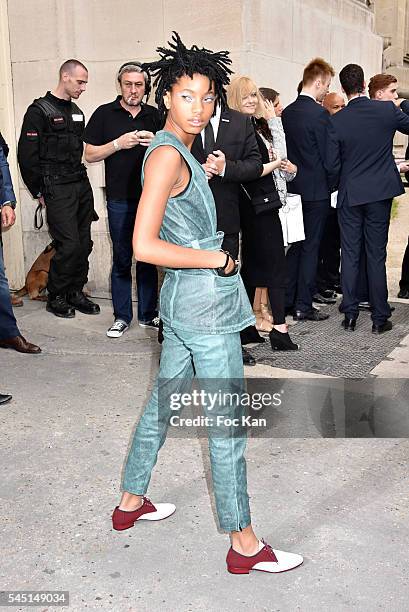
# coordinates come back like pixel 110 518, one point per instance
pixel 179 61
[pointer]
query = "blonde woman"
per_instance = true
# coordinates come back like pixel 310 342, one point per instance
pixel 262 239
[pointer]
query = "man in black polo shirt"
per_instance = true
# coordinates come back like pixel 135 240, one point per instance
pixel 118 133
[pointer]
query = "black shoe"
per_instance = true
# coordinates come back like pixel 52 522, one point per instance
pixel 312 315
pixel 58 305
pixel 404 294
pixel 248 359
pixel 337 289
pixel 319 298
pixel 380 329
pixel 153 323
pixel 349 324
pixel 282 342
pixel 80 302
pixel 249 335
pixel 4 398
pixel 329 293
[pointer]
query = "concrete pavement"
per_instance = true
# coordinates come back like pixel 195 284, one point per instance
pixel 342 503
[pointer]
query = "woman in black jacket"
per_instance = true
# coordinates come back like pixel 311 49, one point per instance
pixel 263 254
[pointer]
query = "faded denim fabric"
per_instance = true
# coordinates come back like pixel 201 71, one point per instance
pixel 8 324
pixel 216 357
pixel 197 300
pixel 202 314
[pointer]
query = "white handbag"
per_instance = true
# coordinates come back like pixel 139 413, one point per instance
pixel 292 221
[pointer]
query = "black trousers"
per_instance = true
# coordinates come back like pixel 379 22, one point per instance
pixel 368 224
pixel 69 210
pixel 329 257
pixel 302 257
pixel 363 288
pixel 404 281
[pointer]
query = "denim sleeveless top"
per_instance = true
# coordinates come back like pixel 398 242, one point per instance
pixel 193 299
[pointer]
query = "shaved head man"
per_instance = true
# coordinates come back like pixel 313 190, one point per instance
pixel 333 102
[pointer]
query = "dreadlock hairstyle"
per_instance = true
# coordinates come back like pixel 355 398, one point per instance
pixel 178 61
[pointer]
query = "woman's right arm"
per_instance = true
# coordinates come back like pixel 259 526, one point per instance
pixel 163 170
pixel 278 136
pixel 271 166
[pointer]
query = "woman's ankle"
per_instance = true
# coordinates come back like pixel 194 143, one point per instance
pixel 130 502
pixel 245 542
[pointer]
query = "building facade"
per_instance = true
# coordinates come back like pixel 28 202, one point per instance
pixel 269 40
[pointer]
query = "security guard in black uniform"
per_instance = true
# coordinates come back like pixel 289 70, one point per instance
pixel 50 158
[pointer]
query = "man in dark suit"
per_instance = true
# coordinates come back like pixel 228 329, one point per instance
pixel 382 87
pixel 228 151
pixel 305 124
pixel 360 161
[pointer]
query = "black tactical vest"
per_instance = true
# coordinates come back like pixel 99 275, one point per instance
pixel 61 144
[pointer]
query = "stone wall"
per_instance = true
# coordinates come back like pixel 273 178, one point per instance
pixel 271 40
pixel 392 22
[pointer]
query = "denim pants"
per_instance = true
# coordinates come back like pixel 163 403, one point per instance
pixel 121 219
pixel 185 354
pixel 8 324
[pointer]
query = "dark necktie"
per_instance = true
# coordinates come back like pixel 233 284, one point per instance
pixel 209 143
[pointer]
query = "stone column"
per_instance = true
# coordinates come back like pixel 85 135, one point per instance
pixel 12 238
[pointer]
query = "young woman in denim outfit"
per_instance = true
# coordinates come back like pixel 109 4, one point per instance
pixel 203 303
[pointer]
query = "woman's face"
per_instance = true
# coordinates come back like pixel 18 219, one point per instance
pixel 277 107
pixel 190 104
pixel 249 103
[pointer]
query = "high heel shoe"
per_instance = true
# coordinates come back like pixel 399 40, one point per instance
pixel 282 342
pixel 265 313
pixel 250 335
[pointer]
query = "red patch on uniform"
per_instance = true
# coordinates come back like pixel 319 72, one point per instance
pixel 58 119
pixel 32 133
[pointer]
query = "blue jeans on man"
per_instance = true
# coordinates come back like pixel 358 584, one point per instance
pixel 121 219
pixel 8 325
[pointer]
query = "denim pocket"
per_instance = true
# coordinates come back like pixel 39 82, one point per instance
pixel 226 283
pixel 204 302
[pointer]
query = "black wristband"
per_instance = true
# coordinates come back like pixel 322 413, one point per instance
pixel 222 270
pixel 226 263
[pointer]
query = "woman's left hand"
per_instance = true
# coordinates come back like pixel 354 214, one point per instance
pixel 270 112
pixel 287 166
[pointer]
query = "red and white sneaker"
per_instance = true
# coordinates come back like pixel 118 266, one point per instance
pixel 122 519
pixel 266 560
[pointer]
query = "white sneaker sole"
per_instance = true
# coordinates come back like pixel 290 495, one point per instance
pixel 163 511
pixel 116 334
